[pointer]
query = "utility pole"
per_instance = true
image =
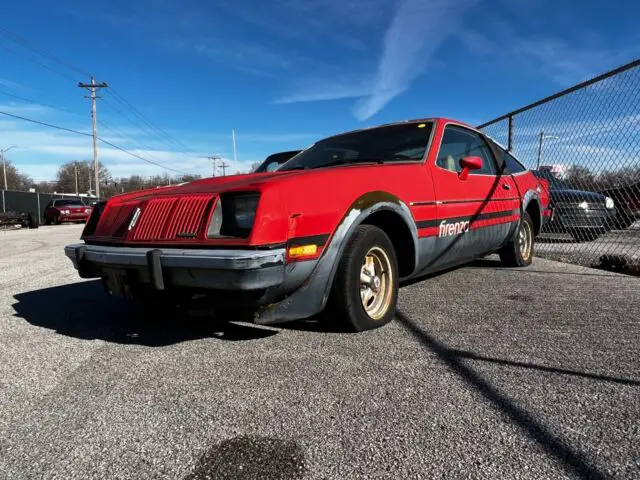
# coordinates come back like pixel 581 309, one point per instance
pixel 224 166
pixel 233 136
pixel 542 139
pixel 540 149
pixel 4 169
pixel 93 86
pixel 213 159
pixel 4 164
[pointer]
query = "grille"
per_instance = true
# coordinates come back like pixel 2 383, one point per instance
pixel 187 217
pixel 153 218
pixel 114 221
pixel 172 218
pixel 574 206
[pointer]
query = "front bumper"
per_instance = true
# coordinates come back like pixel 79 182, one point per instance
pixel 163 268
pixel 570 217
pixel 74 217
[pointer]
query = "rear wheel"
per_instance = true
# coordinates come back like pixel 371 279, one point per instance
pixel 519 251
pixel 32 221
pixel 365 290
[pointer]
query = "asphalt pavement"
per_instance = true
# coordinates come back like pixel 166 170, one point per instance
pixel 486 373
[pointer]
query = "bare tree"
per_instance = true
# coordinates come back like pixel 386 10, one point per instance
pixel 15 179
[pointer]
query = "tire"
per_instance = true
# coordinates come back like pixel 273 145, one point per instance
pixel 57 221
pixel 47 221
pixel 519 251
pixel 584 235
pixel 623 221
pixel 33 221
pixel 369 249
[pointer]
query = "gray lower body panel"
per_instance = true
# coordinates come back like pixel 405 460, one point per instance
pixel 162 268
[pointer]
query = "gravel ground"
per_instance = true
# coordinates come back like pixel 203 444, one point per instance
pixel 486 373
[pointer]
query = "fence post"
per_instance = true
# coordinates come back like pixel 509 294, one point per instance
pixel 38 197
pixel 3 204
pixel 510 137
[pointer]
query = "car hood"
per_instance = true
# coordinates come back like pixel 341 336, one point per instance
pixel 249 181
pixel 570 195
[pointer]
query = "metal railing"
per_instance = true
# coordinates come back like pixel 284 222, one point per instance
pixel 585 141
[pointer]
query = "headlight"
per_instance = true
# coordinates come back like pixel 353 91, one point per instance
pixel 244 210
pixel 215 224
pixel 87 210
pixel 233 215
pixel 583 205
pixel 609 203
pixel 64 212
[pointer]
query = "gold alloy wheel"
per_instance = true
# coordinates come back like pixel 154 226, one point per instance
pixel 525 240
pixel 376 283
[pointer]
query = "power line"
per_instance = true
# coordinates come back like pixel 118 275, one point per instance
pixel 31 46
pixel 36 102
pixel 102 122
pixel 161 132
pixel 141 127
pixel 37 62
pixel 85 134
pixel 128 139
pixel 45 124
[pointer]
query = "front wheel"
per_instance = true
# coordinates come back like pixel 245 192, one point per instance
pixel 365 290
pixel 519 251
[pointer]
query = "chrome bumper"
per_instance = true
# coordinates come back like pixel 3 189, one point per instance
pixel 194 268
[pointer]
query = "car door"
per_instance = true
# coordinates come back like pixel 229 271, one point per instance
pixel 474 214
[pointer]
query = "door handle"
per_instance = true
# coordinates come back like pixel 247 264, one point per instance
pixel 506 186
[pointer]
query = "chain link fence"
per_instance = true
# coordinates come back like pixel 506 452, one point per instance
pixel 584 142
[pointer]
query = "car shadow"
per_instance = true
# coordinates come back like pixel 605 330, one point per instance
pixel 83 310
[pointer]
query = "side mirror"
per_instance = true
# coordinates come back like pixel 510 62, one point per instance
pixel 469 163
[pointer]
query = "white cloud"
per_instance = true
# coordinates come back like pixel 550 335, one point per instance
pixel 325 91
pixel 418 29
pixel 5 82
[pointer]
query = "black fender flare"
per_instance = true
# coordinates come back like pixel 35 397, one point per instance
pixel 311 298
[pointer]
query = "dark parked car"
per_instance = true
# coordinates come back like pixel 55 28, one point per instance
pixel 26 220
pixel 585 215
pixel 66 210
pixel 627 200
pixel 274 161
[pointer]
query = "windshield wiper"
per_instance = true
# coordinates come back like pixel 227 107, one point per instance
pixel 295 167
pixel 350 162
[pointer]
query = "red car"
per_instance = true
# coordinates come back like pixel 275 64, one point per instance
pixel 66 210
pixel 335 229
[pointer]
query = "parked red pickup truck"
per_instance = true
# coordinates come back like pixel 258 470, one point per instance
pixel 336 228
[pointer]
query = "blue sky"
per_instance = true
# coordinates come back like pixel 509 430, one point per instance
pixel 284 73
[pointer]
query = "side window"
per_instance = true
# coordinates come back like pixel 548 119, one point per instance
pixel 512 164
pixel 458 142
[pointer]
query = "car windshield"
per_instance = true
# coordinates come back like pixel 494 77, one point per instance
pixel 393 143
pixel 69 203
pixel 272 162
pixel 554 182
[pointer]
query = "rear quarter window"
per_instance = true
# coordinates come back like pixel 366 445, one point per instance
pixel 512 163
